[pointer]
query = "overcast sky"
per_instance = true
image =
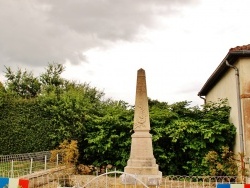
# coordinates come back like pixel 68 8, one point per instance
pixel 179 43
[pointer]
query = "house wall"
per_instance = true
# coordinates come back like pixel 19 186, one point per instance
pixel 245 98
pixel 226 88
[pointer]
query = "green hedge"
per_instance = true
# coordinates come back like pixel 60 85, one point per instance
pixel 23 126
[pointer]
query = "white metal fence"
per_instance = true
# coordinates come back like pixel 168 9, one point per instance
pixel 113 180
pixel 42 173
pixel 16 165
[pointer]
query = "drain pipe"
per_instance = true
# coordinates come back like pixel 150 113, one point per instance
pixel 204 99
pixel 239 106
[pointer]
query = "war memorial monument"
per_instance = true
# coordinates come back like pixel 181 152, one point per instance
pixel 141 162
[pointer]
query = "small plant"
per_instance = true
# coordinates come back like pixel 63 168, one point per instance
pixel 68 150
pixel 223 164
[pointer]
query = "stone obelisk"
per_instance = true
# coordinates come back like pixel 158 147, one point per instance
pixel 141 161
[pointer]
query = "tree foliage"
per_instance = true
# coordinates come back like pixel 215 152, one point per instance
pixel 39 113
pixel 68 150
pixel 67 114
pixel 23 128
pixel 22 83
pixel 51 80
pixel 108 135
pixel 221 163
pixel 184 135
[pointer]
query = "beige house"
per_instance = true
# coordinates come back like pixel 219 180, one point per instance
pixel 231 80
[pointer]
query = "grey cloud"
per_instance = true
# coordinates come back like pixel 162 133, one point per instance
pixel 35 32
pixel 111 19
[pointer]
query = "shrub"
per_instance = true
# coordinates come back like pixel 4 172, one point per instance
pixel 68 150
pixel 221 164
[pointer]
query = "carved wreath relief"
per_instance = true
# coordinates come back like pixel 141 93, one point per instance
pixel 141 115
pixel 141 118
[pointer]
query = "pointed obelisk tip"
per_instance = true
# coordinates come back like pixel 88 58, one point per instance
pixel 141 72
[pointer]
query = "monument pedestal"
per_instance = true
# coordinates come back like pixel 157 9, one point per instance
pixel 142 161
pixel 147 179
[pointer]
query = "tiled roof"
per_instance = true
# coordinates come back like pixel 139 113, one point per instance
pixel 240 48
pixel 231 57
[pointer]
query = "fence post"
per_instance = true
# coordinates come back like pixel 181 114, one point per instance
pixel 12 168
pixel 31 164
pixel 57 159
pixel 96 174
pixel 125 180
pixel 45 162
pixel 115 176
pixel 106 178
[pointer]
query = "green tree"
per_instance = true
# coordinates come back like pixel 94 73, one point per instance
pixel 22 83
pixel 52 75
pixel 1 87
pixel 2 94
pixel 51 80
pixel 67 114
pixel 221 163
pixel 108 135
pixel 186 134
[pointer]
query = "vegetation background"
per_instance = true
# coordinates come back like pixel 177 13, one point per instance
pixel 39 113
